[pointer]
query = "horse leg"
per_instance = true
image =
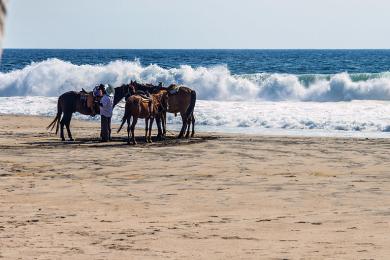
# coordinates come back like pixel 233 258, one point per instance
pixel 193 124
pixel 158 122
pixel 146 129
pixel 150 129
pixel 128 130
pixel 184 125
pixel 63 122
pixel 164 124
pixel 188 127
pixel 62 129
pixel 67 124
pixel 135 119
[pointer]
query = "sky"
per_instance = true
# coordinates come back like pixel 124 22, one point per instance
pixel 198 24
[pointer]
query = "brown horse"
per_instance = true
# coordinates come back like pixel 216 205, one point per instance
pixel 72 101
pixel 181 100
pixel 139 107
pixel 144 90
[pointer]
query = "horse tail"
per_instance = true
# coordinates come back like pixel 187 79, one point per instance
pixel 191 107
pixel 56 121
pixel 125 116
pixel 129 102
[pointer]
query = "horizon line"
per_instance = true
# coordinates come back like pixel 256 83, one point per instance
pixel 278 49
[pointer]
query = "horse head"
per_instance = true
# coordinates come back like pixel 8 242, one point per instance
pixel 124 91
pixel 127 90
pixel 134 83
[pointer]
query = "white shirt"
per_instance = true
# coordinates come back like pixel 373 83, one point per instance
pixel 106 106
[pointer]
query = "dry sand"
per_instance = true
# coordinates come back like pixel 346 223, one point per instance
pixel 212 197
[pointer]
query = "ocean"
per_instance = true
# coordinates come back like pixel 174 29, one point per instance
pixel 287 92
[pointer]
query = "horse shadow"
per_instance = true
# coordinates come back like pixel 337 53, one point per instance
pixel 119 142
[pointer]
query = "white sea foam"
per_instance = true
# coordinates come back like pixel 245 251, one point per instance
pixel 53 77
pixel 254 103
pixel 362 118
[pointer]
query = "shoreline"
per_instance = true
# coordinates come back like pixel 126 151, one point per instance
pixel 279 133
pixel 216 196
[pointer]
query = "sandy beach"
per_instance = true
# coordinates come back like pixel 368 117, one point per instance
pixel 216 196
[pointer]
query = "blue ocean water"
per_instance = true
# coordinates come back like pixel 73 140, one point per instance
pixel 238 61
pixel 325 92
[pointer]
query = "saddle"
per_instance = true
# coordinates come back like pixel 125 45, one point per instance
pixel 149 100
pixel 88 101
pixel 143 94
pixel 173 89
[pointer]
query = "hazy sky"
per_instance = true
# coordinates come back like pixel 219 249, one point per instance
pixel 198 24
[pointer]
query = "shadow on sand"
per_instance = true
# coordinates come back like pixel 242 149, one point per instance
pixel 119 142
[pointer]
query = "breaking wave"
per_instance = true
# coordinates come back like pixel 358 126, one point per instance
pixel 53 77
pixel 356 118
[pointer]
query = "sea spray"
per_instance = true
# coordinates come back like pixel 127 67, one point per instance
pixel 329 118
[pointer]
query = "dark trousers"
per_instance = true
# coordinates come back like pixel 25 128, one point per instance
pixel 105 128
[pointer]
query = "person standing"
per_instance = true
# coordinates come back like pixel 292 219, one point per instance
pixel 106 107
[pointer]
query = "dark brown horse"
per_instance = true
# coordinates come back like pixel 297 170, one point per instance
pixel 181 100
pixel 146 88
pixel 139 107
pixel 72 101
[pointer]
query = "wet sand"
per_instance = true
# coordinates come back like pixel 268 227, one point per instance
pixel 212 197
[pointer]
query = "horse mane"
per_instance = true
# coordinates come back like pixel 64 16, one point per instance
pixel 146 87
